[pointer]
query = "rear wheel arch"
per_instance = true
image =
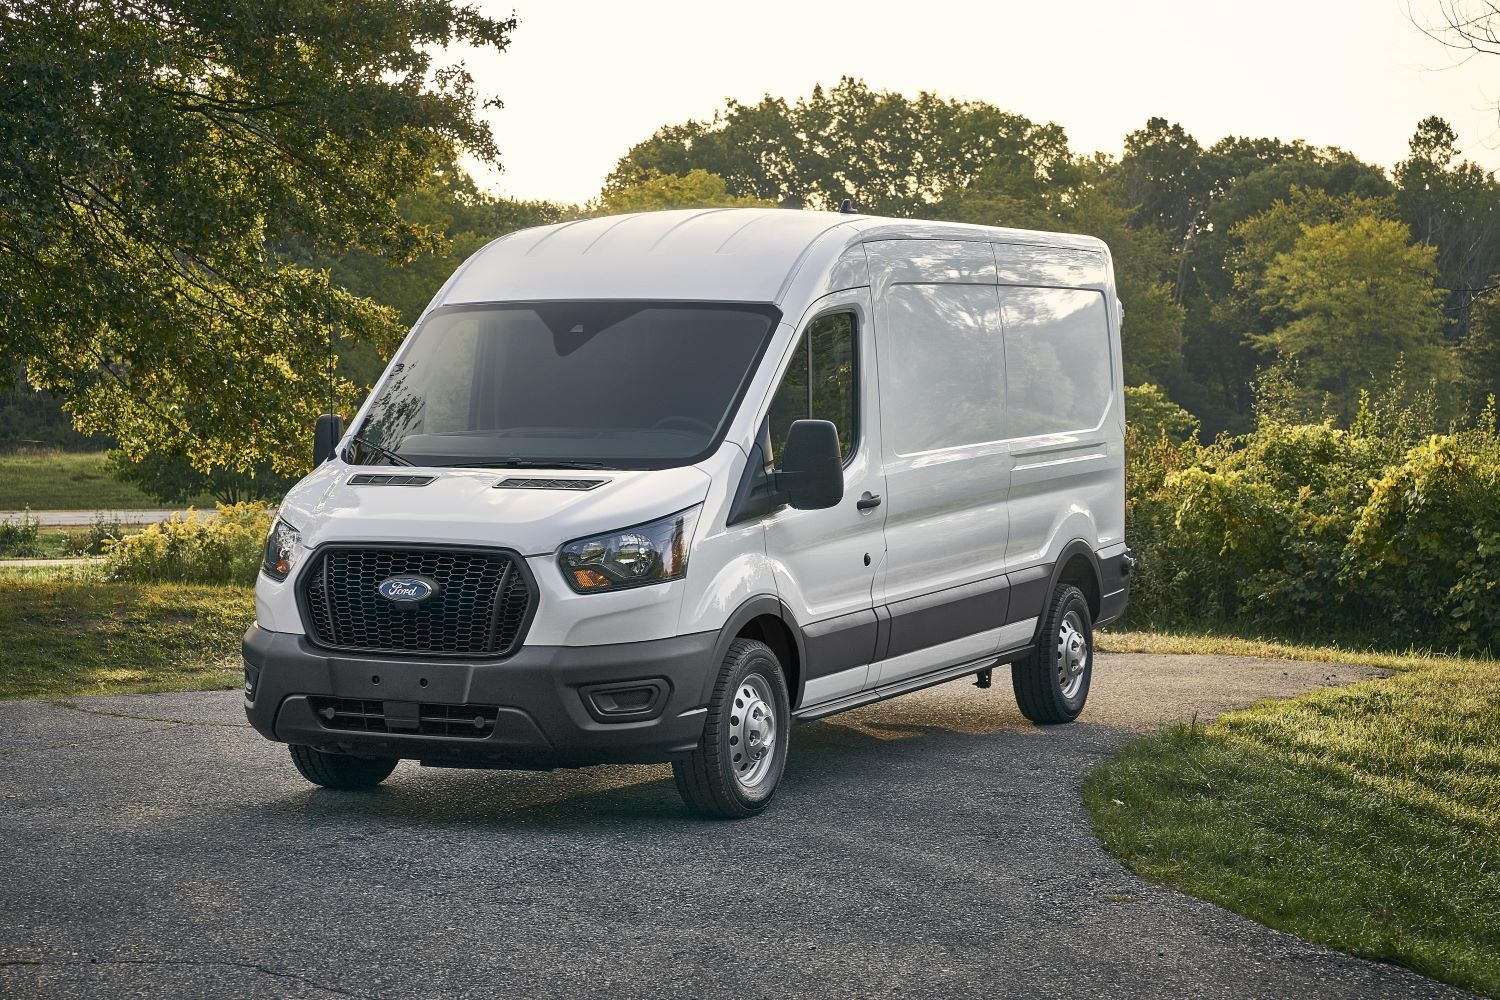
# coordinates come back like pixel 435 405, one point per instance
pixel 1077 565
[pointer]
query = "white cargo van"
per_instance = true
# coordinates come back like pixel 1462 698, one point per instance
pixel 656 487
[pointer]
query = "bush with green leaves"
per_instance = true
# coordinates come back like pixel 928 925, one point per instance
pixel 192 548
pixel 1386 531
pixel 19 536
pixel 1424 556
pixel 106 530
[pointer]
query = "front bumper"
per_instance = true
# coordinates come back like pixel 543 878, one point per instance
pixel 542 721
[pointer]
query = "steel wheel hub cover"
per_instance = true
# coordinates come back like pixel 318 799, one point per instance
pixel 752 731
pixel 1072 654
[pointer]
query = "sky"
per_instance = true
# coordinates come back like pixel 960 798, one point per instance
pixel 583 80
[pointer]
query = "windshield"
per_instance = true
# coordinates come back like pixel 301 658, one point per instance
pixel 622 385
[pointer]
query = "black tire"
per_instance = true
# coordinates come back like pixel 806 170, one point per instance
pixel 1048 687
pixel 341 771
pixel 710 781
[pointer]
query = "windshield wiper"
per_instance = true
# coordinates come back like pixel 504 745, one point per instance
pixel 527 463
pixel 385 453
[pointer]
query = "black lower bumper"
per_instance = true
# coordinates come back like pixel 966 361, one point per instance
pixel 542 715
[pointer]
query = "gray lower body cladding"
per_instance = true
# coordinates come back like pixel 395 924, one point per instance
pixel 536 711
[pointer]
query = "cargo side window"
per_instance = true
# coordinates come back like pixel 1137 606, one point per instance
pixel 820 383
pixel 944 384
pixel 1057 359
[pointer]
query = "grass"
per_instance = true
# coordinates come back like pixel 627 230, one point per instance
pixel 62 480
pixel 68 633
pixel 1228 644
pixel 1365 817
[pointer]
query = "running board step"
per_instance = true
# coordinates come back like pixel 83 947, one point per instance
pixel 982 665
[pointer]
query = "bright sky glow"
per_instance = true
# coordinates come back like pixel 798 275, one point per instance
pixel 585 79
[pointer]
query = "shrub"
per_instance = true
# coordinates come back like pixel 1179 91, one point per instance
pixel 195 549
pixel 104 532
pixel 1386 531
pixel 1425 553
pixel 19 536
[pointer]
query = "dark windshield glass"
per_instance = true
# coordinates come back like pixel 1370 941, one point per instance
pixel 614 384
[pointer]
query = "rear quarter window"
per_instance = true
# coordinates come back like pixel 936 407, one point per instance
pixel 1057 359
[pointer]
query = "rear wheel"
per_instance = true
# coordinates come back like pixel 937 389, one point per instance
pixel 1052 683
pixel 737 766
pixel 336 770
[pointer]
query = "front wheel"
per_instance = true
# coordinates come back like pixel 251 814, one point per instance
pixel 738 764
pixel 341 771
pixel 1052 683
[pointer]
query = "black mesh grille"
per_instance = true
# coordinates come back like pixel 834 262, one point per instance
pixel 481 607
pixel 473 722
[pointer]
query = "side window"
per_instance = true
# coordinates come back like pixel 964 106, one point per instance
pixel 1057 364
pixel 944 385
pixel 820 383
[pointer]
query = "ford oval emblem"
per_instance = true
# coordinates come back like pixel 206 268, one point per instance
pixel 407 589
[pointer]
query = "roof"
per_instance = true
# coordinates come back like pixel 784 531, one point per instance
pixel 726 254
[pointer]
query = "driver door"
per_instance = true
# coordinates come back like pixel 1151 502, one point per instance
pixel 826 560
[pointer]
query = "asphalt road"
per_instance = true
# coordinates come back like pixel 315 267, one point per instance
pixel 84 518
pixel 934 846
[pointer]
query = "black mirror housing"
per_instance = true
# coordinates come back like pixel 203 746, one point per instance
pixel 326 437
pixel 812 469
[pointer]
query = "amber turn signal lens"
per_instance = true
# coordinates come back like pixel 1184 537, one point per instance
pixel 590 579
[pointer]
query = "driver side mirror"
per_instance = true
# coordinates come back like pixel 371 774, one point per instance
pixel 812 469
pixel 326 437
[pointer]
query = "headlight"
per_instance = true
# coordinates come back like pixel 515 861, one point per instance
pixel 281 550
pixel 633 557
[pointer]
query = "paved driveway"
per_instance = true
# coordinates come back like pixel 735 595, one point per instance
pixel 83 518
pixel 934 846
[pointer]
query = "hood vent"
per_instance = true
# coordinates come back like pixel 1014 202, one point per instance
pixel 549 484
pixel 377 479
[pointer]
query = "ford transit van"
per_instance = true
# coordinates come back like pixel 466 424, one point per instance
pixel 657 487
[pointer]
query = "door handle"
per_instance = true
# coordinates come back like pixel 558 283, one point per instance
pixel 869 501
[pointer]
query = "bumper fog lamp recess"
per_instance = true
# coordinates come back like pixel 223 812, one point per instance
pixel 252 678
pixel 626 701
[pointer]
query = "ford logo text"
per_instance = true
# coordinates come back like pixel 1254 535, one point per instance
pixel 407 589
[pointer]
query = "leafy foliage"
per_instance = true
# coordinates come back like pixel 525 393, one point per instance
pixel 654 192
pixel 19 536
pixel 1359 298
pixel 152 153
pixel 889 154
pixel 195 549
pixel 172 479
pixel 1386 529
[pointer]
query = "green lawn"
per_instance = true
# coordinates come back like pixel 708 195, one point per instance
pixel 61 480
pixel 1365 817
pixel 1199 643
pixel 69 633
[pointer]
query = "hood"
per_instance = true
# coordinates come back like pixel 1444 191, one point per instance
pixel 466 505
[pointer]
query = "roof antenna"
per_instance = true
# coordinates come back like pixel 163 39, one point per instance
pixel 847 208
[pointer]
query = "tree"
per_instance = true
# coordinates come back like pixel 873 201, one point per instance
pixel 1479 355
pixel 171 479
pixel 1360 299
pixel 1164 178
pixel 653 192
pixel 1470 26
pixel 153 155
pixel 1453 205
pixel 889 154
